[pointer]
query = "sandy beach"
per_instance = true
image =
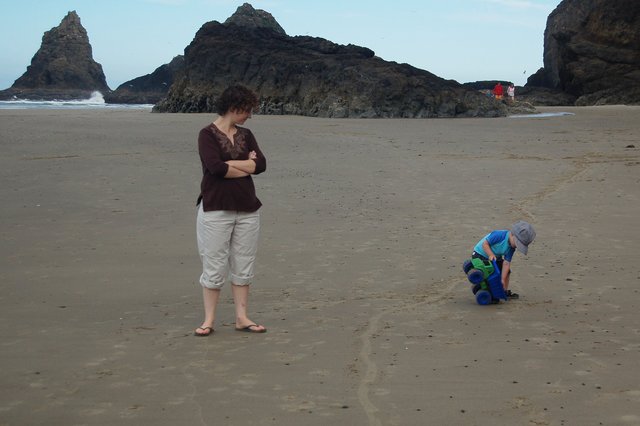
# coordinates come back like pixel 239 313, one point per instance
pixel 365 226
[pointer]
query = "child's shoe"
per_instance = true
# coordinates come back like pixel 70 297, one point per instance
pixel 512 295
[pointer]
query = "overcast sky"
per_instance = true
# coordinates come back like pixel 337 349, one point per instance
pixel 464 40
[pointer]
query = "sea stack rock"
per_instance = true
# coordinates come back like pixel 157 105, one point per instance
pixel 149 88
pixel 63 67
pixel 310 76
pixel 592 52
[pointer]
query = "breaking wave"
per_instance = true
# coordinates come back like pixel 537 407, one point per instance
pixel 95 101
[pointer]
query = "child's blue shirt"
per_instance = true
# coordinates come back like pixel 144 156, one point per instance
pixel 499 243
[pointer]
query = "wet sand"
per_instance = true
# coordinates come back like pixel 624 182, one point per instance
pixel 365 226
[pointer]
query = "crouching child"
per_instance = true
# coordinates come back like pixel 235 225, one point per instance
pixel 500 245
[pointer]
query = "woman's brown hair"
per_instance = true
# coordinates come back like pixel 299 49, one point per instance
pixel 238 98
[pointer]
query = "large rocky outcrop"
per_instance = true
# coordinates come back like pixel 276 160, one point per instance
pixel 63 67
pixel 592 52
pixel 149 88
pixel 310 76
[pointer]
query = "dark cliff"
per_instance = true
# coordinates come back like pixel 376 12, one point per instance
pixel 310 76
pixel 63 67
pixel 592 52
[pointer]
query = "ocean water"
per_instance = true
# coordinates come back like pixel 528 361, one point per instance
pixel 95 102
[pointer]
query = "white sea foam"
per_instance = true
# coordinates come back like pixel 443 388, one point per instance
pixel 96 98
pixel 95 101
pixel 542 115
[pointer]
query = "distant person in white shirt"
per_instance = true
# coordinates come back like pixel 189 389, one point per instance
pixel 511 92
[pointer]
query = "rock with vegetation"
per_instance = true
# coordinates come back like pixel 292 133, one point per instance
pixel 520 105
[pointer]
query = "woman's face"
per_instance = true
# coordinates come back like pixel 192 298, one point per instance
pixel 239 116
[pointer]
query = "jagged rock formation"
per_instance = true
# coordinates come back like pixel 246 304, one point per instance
pixel 592 52
pixel 63 67
pixel 149 88
pixel 310 76
pixel 248 17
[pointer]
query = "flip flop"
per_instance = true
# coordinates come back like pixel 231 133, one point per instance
pixel 208 333
pixel 248 329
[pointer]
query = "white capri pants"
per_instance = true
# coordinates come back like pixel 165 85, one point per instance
pixel 227 244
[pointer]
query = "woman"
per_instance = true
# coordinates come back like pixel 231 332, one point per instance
pixel 228 221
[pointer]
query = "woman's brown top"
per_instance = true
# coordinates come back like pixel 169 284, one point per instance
pixel 216 191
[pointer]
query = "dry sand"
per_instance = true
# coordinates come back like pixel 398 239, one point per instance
pixel 365 226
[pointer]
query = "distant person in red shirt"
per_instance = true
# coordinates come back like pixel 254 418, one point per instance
pixel 497 91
